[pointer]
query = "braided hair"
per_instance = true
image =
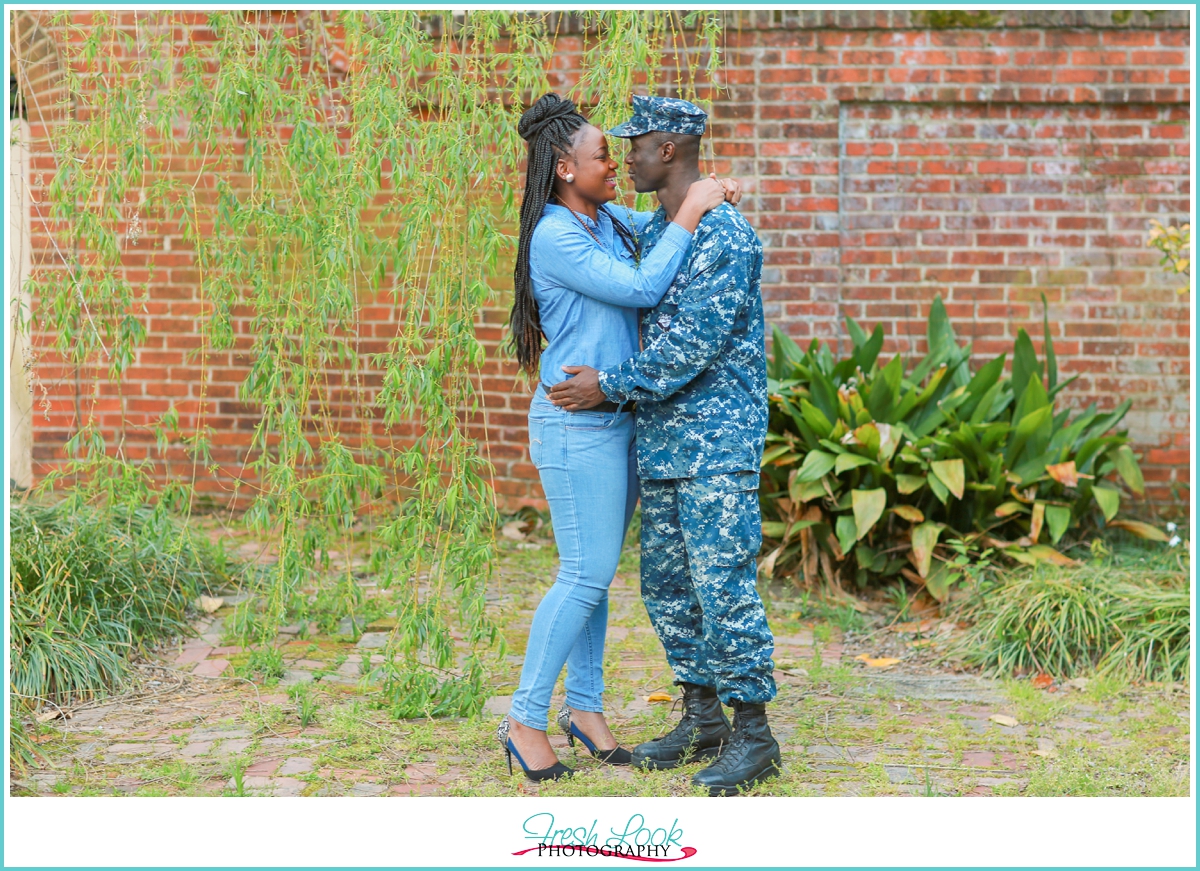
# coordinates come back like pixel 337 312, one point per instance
pixel 548 126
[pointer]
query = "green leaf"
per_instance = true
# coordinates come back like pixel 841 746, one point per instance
pixel 924 537
pixel 909 483
pixel 783 351
pixel 773 453
pixel 1108 498
pixel 824 396
pixel 845 462
pixel 938 488
pixel 847 533
pixel 1058 519
pixel 816 465
pixel 885 389
pixel 1051 360
pixel 1033 398
pixel 868 437
pixel 799 525
pixel 939 333
pixel 1026 428
pixel 774 528
pixel 979 386
pixel 940 580
pixel 857 337
pixel 821 425
pixel 868 507
pixel 1130 472
pixel 950 473
pixel 986 407
pixel 805 491
pixel 1025 365
pixel 866 353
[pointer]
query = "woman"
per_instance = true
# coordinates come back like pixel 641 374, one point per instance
pixel 579 279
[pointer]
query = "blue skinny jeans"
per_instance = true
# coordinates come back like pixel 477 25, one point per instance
pixel 587 464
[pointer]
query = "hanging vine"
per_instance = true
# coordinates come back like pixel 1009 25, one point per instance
pixel 316 163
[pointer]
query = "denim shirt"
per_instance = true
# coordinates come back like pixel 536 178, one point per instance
pixel 701 382
pixel 588 293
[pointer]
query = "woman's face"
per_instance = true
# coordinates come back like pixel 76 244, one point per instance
pixel 594 170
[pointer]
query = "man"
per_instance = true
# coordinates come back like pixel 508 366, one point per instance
pixel 700 384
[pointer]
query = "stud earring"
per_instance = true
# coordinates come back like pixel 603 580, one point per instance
pixel 570 177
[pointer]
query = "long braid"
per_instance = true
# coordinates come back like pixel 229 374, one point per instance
pixel 548 127
pixel 628 239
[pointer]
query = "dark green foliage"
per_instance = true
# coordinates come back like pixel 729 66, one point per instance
pixel 1064 622
pixel 872 468
pixel 91 586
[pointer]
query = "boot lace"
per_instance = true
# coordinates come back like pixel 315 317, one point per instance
pixel 686 722
pixel 732 755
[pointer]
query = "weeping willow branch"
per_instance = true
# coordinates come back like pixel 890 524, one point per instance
pixel 315 164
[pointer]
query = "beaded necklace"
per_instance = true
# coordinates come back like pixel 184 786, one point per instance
pixel 579 219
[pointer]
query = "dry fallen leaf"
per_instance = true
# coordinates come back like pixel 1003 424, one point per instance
pixel 1046 748
pixel 47 716
pixel 660 697
pixel 210 604
pixel 1079 683
pixel 881 662
pixel 914 626
pixel 1004 719
pixel 1041 681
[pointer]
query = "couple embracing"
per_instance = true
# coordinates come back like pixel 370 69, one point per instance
pixel 692 383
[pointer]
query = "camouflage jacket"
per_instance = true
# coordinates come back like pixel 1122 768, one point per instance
pixel 701 379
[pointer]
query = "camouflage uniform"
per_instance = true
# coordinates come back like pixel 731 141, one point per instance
pixel 701 388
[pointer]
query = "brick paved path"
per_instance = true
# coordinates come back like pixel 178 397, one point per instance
pixel 845 728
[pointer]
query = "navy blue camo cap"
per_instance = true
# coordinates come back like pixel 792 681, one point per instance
pixel 664 114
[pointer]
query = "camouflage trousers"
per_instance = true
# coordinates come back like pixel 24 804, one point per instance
pixel 700 538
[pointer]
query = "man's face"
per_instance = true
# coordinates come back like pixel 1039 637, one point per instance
pixel 644 162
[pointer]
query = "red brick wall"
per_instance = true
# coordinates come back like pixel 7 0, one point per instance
pixel 887 159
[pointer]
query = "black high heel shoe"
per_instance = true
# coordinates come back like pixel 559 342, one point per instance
pixel 554 772
pixel 616 756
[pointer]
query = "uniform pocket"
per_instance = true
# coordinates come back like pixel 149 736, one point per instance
pixel 725 517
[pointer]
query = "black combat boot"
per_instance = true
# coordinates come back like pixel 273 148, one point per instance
pixel 752 754
pixel 701 734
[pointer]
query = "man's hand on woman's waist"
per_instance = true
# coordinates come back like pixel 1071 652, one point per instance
pixel 580 392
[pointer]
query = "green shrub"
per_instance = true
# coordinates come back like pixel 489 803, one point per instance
pixel 90 586
pixel 1063 622
pixel 872 468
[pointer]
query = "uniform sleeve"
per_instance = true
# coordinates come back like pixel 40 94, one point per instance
pixel 697 333
pixel 571 258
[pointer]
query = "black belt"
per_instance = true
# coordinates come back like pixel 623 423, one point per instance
pixel 606 406
pixel 612 406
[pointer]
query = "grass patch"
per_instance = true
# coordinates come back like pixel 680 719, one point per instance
pixel 90 586
pixel 1119 615
pixel 1084 769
